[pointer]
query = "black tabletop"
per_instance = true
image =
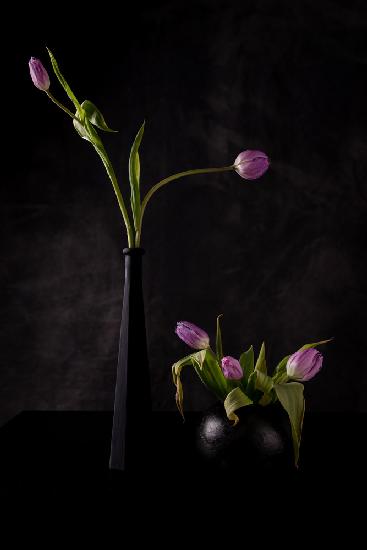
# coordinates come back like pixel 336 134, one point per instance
pixel 67 454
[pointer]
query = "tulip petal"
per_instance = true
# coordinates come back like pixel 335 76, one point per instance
pixel 39 74
pixel 251 165
pixel 231 368
pixel 192 335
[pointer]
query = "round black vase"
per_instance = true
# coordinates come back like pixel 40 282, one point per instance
pixel 132 408
pixel 261 441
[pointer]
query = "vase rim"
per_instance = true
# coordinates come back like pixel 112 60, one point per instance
pixel 133 251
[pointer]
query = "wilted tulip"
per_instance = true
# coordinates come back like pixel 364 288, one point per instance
pixel 250 165
pixel 39 74
pixel 192 335
pixel 231 368
pixel 304 364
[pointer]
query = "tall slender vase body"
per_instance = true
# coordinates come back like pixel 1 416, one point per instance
pixel 132 408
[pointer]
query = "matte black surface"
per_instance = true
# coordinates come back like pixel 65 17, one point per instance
pixel 64 455
pixel 283 258
pixel 133 403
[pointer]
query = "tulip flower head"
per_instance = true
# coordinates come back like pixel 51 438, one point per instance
pixel 192 335
pixel 39 74
pixel 231 368
pixel 251 165
pixel 88 120
pixel 304 364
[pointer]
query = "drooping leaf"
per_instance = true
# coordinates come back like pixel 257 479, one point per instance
pixel 234 401
pixel 261 362
pixel 207 368
pixel 176 375
pixel 315 344
pixel 219 345
pixel 247 364
pixel 291 397
pixel 95 116
pixel 134 176
pixel 63 83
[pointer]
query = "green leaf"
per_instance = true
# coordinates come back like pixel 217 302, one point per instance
pixel 134 176
pixel 176 375
pixel 234 401
pixel 95 116
pixel 88 132
pixel 207 368
pixel 315 344
pixel 80 129
pixel 291 397
pixel 263 382
pixel 247 364
pixel 219 345
pixel 266 399
pixel 261 362
pixel 64 84
pixel 212 375
pixel 251 386
pixel 281 369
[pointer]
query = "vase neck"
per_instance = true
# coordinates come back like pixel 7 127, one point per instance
pixel 134 252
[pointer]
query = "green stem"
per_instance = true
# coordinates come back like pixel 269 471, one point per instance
pixel 163 182
pixel 109 168
pixel 111 174
pixel 65 109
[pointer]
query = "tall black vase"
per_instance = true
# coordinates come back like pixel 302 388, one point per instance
pixel 132 410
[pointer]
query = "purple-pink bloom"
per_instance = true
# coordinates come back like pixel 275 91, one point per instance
pixel 250 165
pixel 39 74
pixel 192 335
pixel 231 368
pixel 304 364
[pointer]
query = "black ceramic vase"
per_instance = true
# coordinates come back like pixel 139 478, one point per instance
pixel 261 441
pixel 132 409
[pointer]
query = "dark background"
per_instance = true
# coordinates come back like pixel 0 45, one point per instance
pixel 283 257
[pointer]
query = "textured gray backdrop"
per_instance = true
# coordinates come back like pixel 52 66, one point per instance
pixel 283 258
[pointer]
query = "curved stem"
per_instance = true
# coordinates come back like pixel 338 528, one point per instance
pixel 65 109
pixel 163 182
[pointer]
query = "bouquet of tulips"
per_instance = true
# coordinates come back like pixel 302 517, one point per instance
pixel 87 120
pixel 243 382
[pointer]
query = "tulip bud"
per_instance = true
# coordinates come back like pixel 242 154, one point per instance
pixel 39 74
pixel 304 364
pixel 192 335
pixel 250 165
pixel 231 368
